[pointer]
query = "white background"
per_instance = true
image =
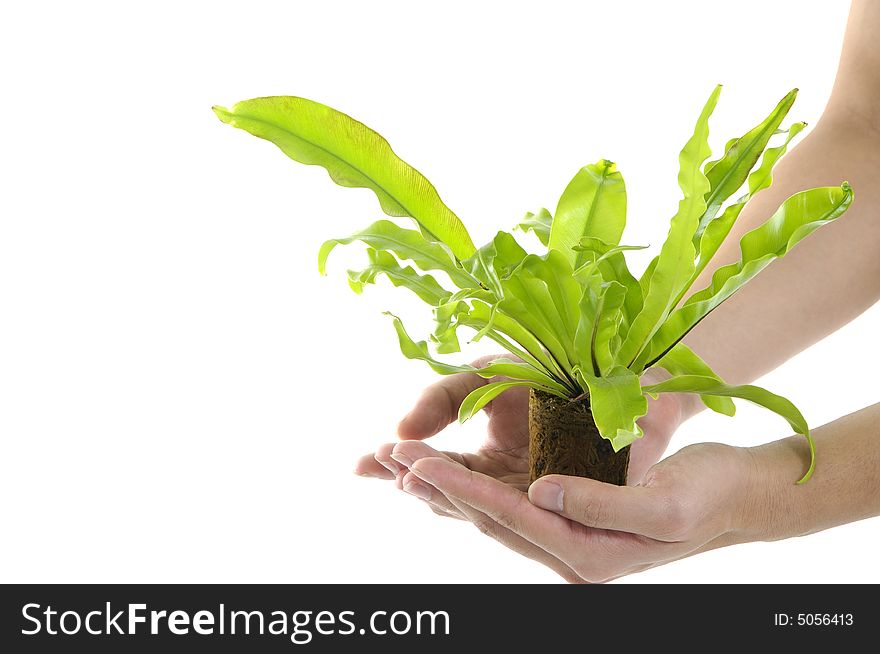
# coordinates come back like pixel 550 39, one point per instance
pixel 182 397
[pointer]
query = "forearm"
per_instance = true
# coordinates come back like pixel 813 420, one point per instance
pixel 832 276
pixel 844 487
pixel 826 281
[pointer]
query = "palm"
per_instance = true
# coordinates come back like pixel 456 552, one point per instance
pixel 504 454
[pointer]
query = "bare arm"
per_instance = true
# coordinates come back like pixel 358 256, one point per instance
pixel 834 275
pixel 843 489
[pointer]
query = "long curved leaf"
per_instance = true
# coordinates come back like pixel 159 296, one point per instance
pixel 354 156
pixel 588 309
pixel 501 328
pixel 761 178
pixel 799 216
pixel 517 371
pixel 554 270
pixel 682 360
pixel 384 263
pixel 480 315
pixel 593 204
pixel 608 317
pixel 675 263
pixel 480 397
pixel 528 301
pixel 406 244
pixel 754 394
pixel 727 175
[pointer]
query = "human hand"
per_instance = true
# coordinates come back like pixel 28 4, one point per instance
pixel 589 531
pixel 504 454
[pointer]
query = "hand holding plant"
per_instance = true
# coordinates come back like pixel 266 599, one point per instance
pixel 504 454
pixel 589 531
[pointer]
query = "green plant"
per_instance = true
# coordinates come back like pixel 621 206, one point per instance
pixel 576 320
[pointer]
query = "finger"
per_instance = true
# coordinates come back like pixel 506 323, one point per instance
pixel 435 499
pixel 594 554
pixel 367 466
pixel 635 509
pixel 513 541
pixel 438 406
pixel 383 457
pixel 405 453
pixel 408 452
pixel 505 505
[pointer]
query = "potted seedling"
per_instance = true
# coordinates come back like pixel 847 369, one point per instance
pixel 581 329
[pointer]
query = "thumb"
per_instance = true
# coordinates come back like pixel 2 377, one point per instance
pixel 635 509
pixel 438 406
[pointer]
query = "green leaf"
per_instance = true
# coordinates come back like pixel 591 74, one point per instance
pixel 384 263
pixel 727 175
pixel 518 371
pixel 597 251
pixel 608 317
pixel 799 216
pixel 480 397
pixel 405 244
pixel 775 403
pixel 675 263
pixel 542 296
pixel 555 272
pixel 681 360
pixel 762 177
pixel 533 350
pixel 419 350
pixel 593 204
pixel 445 335
pixel 588 309
pixel 718 228
pixel 502 329
pixel 539 223
pixel 616 402
pixel 495 261
pixel 609 261
pixel 354 156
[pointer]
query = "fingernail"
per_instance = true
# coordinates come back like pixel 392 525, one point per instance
pixel 417 489
pixel 393 467
pixel 420 473
pixel 402 459
pixel 546 495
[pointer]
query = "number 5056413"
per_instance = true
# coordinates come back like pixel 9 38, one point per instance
pixel 824 619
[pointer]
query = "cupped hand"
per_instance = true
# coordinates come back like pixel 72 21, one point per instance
pixel 504 454
pixel 589 531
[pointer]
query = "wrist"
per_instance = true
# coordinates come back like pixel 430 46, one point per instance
pixel 772 505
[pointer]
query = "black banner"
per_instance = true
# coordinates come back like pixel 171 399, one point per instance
pixel 419 618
